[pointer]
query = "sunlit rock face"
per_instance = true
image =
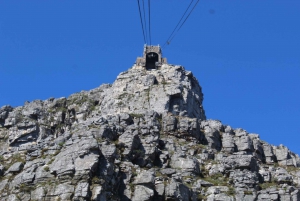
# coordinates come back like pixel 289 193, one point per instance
pixel 143 138
pixel 171 89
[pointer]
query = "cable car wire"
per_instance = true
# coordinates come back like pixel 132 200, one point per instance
pixel 169 41
pixel 141 21
pixel 178 23
pixel 149 21
pixel 145 22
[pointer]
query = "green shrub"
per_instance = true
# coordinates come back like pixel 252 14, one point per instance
pixel 46 168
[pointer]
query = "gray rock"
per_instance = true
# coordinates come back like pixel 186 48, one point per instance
pixel 282 176
pixel 80 158
pixel 62 165
pixel 16 167
pixel 282 154
pixel 25 131
pixel 269 154
pixel 168 171
pixel 169 123
pixel 22 178
pixel 285 197
pixel 3 184
pixel 4 110
pixel 240 162
pixel 264 196
pixel 216 190
pixel 82 191
pixel 160 189
pixel 129 139
pixel 137 139
pixel 240 132
pixel 109 151
pixel 97 194
pixel 177 191
pixel 185 164
pixel 63 191
pixel 295 195
pixel 1 170
pixel 39 193
pixel 189 128
pixel 104 132
pixel 43 174
pixel 136 91
pixel 142 193
pixel 214 124
pixel 244 179
pixel 212 137
pixel 220 196
pixel 244 143
pixel 228 142
pixel 145 178
pixel 84 166
pixel 203 183
pixel 13 197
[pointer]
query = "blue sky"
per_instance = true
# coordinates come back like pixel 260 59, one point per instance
pixel 245 54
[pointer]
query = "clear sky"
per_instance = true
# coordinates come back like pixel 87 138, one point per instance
pixel 245 54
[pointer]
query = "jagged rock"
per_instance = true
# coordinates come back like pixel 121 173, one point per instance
pixel 97 194
pixel 13 197
pixel 25 131
pixel 228 142
pixel 1 170
pixel 42 174
pixel 212 134
pixel 220 196
pixel 3 184
pixel 129 139
pixel 82 191
pixel 269 154
pixel 144 137
pixel 244 143
pixel 203 183
pixel 16 167
pixel 168 171
pixel 22 178
pixel 240 162
pixel 185 164
pixel 4 110
pixel 218 193
pixel 215 168
pixel 265 174
pixel 244 180
pixel 177 191
pixel 142 193
pixel 169 123
pixel 145 178
pixel 38 194
pixel 282 176
pixel 190 128
pixel 139 91
pixel 61 191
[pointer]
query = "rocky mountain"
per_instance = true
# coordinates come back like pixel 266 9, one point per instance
pixel 145 137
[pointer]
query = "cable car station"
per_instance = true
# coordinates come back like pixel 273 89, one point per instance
pixel 152 58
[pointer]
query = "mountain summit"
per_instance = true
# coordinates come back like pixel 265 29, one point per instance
pixel 143 138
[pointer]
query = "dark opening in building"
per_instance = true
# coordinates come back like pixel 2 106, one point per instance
pixel 151 59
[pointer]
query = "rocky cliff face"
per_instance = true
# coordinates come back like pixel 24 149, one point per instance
pixel 145 137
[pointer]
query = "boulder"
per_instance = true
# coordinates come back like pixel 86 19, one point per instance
pixel 185 164
pixel 145 177
pixel 82 191
pixel 240 162
pixel 142 193
pixel 177 191
pixel 16 167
